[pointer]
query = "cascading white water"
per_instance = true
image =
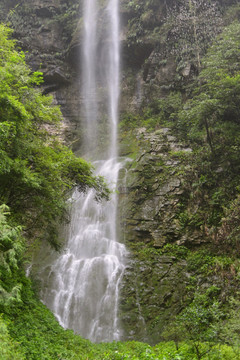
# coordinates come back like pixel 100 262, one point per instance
pixel 83 283
pixel 113 73
pixel 89 72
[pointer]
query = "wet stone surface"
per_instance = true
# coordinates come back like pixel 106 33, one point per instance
pixel 154 285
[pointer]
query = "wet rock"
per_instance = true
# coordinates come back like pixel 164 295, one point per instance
pixel 56 76
pixel 149 212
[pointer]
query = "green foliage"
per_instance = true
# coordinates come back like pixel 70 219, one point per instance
pixel 189 28
pixel 163 111
pixel 33 326
pixel 179 251
pixel 68 18
pixel 205 262
pixel 128 142
pixel 232 13
pixel 200 317
pixel 218 97
pixel 9 349
pixel 210 122
pixel 159 112
pixel 198 324
pixel 37 172
pixel 229 232
pixel 143 251
pixel 231 326
pixel 11 248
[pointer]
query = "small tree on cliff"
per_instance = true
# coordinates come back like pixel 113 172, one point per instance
pixel 191 31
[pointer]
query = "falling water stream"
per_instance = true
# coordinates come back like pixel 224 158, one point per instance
pixel 82 288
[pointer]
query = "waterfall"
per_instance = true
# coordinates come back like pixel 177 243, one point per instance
pixel 89 69
pixel 82 288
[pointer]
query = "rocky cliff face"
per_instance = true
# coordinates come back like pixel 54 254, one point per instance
pixel 154 285
pixel 154 189
pixel 163 43
pixel 45 30
pixel 171 253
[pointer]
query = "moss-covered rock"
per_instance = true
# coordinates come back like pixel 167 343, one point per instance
pixel 171 253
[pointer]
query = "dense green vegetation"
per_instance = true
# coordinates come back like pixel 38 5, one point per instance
pixel 37 171
pixel 204 115
pixel 37 174
pixel 30 331
pixel 209 122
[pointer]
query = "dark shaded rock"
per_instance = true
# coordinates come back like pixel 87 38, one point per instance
pixel 44 12
pixel 56 76
pixel 135 55
pixel 156 295
pixel 155 189
pixel 149 211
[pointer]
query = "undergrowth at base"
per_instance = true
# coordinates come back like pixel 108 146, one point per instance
pixel 29 331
